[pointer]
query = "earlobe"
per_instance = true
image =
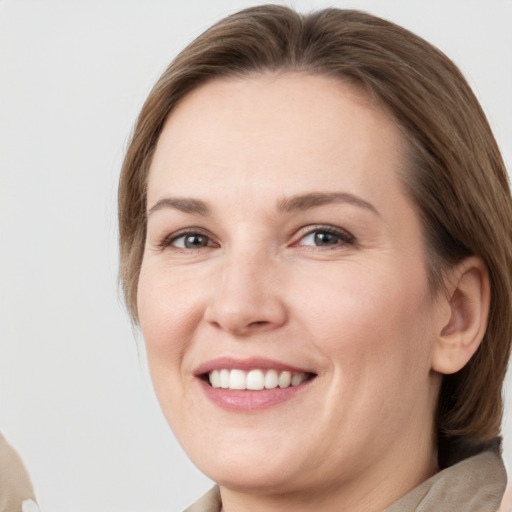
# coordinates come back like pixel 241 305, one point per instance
pixel 468 300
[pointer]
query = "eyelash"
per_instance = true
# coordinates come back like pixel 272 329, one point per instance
pixel 345 238
pixel 168 241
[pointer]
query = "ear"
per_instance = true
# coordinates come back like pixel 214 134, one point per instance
pixel 461 331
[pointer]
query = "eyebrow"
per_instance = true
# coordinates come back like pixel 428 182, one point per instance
pixel 287 205
pixel 314 199
pixel 186 205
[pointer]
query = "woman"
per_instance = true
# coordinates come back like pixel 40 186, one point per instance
pixel 316 242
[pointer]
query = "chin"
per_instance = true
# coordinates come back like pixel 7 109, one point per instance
pixel 247 463
pixel 256 476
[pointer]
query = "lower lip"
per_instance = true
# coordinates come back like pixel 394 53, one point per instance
pixel 247 400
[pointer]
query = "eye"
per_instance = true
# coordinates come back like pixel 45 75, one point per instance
pixel 326 236
pixel 191 241
pixel 188 240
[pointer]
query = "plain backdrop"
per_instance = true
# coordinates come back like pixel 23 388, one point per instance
pixel 75 397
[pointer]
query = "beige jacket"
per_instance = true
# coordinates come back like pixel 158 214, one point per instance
pixel 16 494
pixel 476 484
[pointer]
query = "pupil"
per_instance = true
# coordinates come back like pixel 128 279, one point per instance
pixel 323 238
pixel 194 241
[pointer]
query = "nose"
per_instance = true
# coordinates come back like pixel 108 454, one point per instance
pixel 248 297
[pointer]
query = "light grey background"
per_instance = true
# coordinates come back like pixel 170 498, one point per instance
pixel 75 397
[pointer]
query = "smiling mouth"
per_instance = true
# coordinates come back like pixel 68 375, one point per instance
pixel 256 379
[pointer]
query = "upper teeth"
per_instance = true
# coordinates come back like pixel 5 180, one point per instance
pixel 255 379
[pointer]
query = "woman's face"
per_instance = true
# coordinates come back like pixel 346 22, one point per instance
pixel 281 246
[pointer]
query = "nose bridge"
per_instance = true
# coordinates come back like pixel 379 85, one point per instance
pixel 247 297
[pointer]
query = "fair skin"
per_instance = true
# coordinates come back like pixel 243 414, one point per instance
pixel 280 238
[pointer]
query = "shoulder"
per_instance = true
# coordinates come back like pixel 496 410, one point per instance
pixel 476 484
pixel 209 502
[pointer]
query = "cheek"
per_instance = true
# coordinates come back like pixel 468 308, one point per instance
pixel 166 318
pixel 378 341
pixel 165 304
pixel 366 318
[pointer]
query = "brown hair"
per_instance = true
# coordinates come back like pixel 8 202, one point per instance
pixel 455 176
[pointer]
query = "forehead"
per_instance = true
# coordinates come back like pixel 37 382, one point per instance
pixel 276 130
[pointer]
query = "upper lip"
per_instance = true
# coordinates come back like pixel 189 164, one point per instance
pixel 246 364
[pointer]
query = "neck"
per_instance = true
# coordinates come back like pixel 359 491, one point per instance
pixel 372 492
